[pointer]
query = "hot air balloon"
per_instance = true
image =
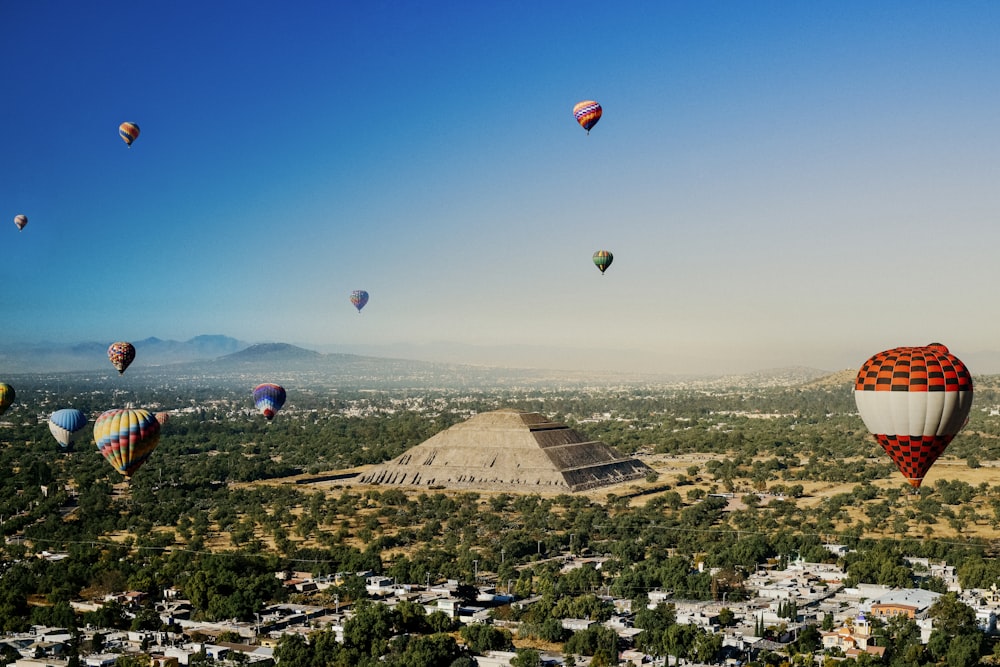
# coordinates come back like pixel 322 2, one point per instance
pixel 914 400
pixel 162 417
pixel 129 132
pixel 126 438
pixel 20 221
pixel 603 259
pixel 7 396
pixel 359 298
pixel 121 355
pixel 587 114
pixel 65 423
pixel 268 398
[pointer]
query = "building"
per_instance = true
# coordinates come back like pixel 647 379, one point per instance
pixel 508 450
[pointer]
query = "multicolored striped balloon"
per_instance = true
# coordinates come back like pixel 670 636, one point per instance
pixel 359 298
pixel 126 438
pixel 65 423
pixel 129 132
pixel 121 354
pixel 914 400
pixel 268 398
pixel 603 259
pixel 21 221
pixel 587 113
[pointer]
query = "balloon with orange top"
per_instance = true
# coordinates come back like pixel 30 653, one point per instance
pixel 914 400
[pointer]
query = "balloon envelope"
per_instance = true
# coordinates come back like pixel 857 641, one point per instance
pixel 126 438
pixel 603 259
pixel 359 298
pixel 162 417
pixel 7 396
pixel 20 221
pixel 914 400
pixel 121 355
pixel 65 423
pixel 587 113
pixel 268 398
pixel 129 132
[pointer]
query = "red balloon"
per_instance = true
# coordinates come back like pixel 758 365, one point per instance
pixel 914 400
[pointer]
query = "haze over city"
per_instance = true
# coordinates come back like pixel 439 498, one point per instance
pixel 780 183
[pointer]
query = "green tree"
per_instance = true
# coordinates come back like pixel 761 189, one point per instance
pixel 368 632
pixel 481 638
pixel 526 657
pixel 956 637
pixel 424 651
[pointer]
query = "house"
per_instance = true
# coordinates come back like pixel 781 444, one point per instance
pixel 913 602
pixel 379 586
pixel 578 624
pixel 658 597
pixel 495 659
pixel 855 634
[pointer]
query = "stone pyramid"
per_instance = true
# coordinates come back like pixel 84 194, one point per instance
pixel 508 450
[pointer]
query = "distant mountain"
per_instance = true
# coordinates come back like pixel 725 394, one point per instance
pixel 221 356
pixel 270 352
pixel 840 379
pixel 789 376
pixel 87 356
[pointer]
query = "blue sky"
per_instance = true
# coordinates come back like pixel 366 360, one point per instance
pixel 780 182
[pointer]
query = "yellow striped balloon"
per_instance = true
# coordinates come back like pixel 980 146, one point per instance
pixel 126 438
pixel 587 113
pixel 129 132
pixel 6 396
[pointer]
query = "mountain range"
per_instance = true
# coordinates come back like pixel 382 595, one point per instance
pixel 88 356
pixel 221 356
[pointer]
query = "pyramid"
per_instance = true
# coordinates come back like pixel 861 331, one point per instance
pixel 508 450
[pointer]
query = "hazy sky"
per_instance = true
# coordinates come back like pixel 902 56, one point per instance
pixel 780 182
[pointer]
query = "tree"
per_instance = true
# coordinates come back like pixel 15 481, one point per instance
pixel 654 624
pixel 707 646
pixel 423 651
pixel 526 657
pixel 146 619
pixel 371 628
pixel 964 651
pixel 293 649
pixel 956 637
pixel 593 641
pixel 132 661
pixel 438 621
pixel 903 641
pixel 810 639
pixel 481 638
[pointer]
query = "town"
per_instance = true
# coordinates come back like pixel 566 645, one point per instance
pixel 787 604
pixel 758 525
